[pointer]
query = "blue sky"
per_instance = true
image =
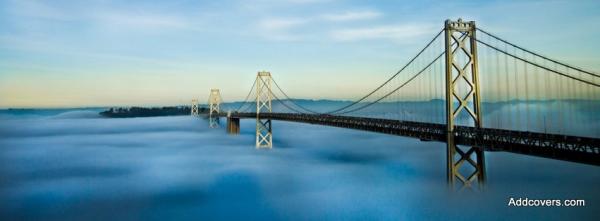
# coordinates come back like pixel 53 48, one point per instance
pixel 104 53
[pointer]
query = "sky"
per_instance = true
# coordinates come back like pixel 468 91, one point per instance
pixel 108 53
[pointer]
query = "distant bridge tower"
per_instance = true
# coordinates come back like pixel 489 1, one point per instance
pixel 264 137
pixel 194 111
pixel 462 90
pixel 214 104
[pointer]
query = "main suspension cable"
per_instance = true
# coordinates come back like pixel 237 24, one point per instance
pixel 537 65
pixel 247 96
pixel 390 79
pixel 398 88
pixel 536 54
pixel 292 101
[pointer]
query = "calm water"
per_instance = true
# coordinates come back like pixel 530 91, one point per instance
pixel 74 165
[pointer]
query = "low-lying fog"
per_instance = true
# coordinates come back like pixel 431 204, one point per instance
pixel 78 166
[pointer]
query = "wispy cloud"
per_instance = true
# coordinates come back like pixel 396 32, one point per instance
pixel 281 23
pixel 390 32
pixel 36 9
pixel 296 2
pixel 139 21
pixel 100 15
pixel 281 28
pixel 351 16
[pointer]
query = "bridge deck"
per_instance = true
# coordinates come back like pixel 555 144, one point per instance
pixel 570 148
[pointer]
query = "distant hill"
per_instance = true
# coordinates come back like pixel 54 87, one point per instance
pixel 124 112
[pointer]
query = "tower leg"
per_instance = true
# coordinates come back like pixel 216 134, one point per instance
pixel 213 122
pixel 456 158
pixel 450 152
pixel 482 176
pixel 264 136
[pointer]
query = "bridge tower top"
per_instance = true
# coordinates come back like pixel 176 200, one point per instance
pixel 460 25
pixel 263 92
pixel 264 74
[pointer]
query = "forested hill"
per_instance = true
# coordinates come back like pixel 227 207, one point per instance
pixel 149 111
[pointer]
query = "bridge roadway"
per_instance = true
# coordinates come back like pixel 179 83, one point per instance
pixel 570 148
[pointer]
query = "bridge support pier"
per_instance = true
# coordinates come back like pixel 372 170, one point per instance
pixel 233 124
pixel 462 100
pixel 264 135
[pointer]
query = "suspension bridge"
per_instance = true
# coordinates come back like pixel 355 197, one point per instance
pixel 475 93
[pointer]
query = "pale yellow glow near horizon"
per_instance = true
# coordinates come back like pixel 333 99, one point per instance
pixel 55 91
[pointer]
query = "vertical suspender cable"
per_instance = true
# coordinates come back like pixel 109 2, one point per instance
pixel 571 119
pixel 527 101
pixel 517 94
pixel 560 100
pixel 546 114
pixel 507 91
pixel 500 101
pixel 538 119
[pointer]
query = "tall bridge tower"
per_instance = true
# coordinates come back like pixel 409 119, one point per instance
pixel 264 136
pixel 214 103
pixel 462 98
pixel 194 108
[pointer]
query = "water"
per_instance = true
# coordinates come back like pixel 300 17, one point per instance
pixel 74 165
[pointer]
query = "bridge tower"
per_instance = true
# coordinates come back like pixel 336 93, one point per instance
pixel 194 108
pixel 214 103
pixel 264 137
pixel 462 76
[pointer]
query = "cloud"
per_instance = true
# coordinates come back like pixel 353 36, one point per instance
pixel 307 1
pixel 390 32
pixel 144 21
pixel 286 2
pixel 105 16
pixel 36 9
pixel 310 26
pixel 281 23
pixel 281 29
pixel 351 16
pixel 286 23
